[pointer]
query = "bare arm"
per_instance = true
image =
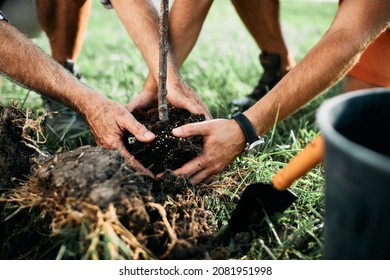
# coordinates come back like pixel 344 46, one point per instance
pixel 185 23
pixel 26 64
pixel 141 21
pixel 356 24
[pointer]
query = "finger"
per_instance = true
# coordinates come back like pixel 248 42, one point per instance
pixel 139 130
pixel 133 162
pixel 197 108
pixel 142 100
pixel 190 168
pixel 132 106
pixel 191 129
pixel 202 177
pixel 137 103
pixel 207 113
pixel 209 179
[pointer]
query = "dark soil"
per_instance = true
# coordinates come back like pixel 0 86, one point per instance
pixel 15 156
pixel 88 204
pixel 76 189
pixel 166 151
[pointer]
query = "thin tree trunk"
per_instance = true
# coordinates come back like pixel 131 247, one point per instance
pixel 162 75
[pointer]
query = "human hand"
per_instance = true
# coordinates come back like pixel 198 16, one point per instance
pixel 180 95
pixel 223 141
pixel 147 98
pixel 144 99
pixel 109 121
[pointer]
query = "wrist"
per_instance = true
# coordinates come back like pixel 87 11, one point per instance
pixel 87 102
pixel 252 139
pixel 150 84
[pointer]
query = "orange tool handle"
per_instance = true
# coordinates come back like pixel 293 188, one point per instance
pixel 300 164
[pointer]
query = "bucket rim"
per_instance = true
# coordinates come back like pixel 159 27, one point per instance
pixel 327 128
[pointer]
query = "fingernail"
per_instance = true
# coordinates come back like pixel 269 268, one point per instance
pixel 148 135
pixel 177 131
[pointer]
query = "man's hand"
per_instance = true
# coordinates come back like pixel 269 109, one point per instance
pixel 109 121
pixel 223 141
pixel 145 99
pixel 180 95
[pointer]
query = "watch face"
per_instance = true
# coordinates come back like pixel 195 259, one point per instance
pixel 256 144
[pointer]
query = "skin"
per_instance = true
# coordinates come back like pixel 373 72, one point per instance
pixel 262 20
pixel 351 83
pixel 65 37
pixel 141 21
pixel 186 19
pixel 27 65
pixel 65 24
pixel 329 60
pixel 185 23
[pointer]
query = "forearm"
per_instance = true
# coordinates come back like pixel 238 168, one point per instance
pixel 324 65
pixel 186 19
pixel 141 22
pixel 320 68
pixel 26 64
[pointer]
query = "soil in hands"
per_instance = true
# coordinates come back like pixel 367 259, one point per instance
pixel 166 151
pixel 88 200
pixel 88 204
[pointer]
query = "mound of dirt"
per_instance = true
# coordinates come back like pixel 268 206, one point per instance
pixel 16 155
pixel 166 151
pixel 93 189
pixel 88 204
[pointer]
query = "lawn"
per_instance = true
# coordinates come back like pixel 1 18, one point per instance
pixel 224 65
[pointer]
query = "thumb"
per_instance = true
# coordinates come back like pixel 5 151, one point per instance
pixel 140 131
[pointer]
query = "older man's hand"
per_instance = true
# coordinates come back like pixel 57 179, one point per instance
pixel 109 121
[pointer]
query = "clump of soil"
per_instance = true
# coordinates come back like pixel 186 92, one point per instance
pixel 166 151
pixel 94 189
pixel 16 153
pixel 87 203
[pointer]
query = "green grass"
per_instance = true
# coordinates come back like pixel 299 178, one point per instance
pixel 224 65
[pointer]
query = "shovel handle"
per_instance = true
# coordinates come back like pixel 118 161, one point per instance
pixel 300 164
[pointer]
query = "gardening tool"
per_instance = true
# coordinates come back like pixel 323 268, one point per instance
pixel 263 198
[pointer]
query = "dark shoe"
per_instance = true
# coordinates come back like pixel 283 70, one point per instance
pixel 271 63
pixel 72 68
pixel 62 123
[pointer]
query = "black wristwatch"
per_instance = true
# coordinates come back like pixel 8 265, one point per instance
pixel 252 139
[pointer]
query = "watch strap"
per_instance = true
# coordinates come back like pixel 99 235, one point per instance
pixel 246 126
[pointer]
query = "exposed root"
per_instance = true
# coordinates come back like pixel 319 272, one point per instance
pixel 88 204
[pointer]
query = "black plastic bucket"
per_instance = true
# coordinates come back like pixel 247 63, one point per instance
pixel 356 127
